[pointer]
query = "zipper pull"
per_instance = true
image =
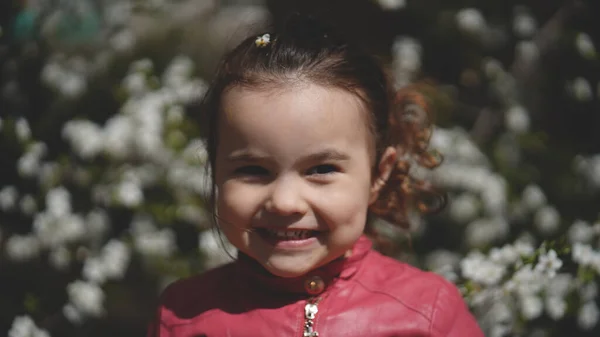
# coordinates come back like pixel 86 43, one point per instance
pixel 314 286
pixel 310 312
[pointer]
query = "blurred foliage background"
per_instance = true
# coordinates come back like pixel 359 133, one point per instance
pixel 102 159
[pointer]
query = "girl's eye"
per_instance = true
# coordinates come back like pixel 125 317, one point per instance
pixel 252 170
pixel 322 169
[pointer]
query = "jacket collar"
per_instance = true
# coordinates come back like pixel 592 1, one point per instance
pixel 341 268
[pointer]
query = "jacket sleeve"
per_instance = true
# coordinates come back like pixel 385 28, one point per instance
pixel 451 316
pixel 157 327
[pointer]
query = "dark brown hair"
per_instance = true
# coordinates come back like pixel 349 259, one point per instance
pixel 307 50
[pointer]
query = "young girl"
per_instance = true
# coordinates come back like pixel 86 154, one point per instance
pixel 306 141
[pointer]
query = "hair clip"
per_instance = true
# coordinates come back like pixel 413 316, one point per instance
pixel 263 40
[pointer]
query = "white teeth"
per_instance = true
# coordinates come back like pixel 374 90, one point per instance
pixel 290 235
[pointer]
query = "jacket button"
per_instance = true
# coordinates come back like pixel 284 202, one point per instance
pixel 314 285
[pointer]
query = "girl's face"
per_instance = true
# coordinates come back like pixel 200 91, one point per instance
pixel 293 175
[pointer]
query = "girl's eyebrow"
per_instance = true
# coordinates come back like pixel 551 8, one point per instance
pixel 245 155
pixel 327 154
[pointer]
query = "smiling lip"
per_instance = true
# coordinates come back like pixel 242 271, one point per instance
pixel 289 238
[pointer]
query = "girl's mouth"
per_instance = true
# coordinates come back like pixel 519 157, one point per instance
pixel 289 238
pixel 299 234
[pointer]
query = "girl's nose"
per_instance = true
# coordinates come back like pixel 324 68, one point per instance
pixel 285 198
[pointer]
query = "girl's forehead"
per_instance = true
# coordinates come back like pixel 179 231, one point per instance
pixel 300 118
pixel 296 101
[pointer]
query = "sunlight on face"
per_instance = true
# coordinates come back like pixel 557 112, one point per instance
pixel 298 158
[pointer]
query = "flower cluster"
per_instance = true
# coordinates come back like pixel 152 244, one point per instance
pixel 145 146
pixel 125 193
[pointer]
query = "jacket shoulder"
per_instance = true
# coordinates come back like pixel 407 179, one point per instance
pixel 427 294
pixel 417 290
pixel 188 298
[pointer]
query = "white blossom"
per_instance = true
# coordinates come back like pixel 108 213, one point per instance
pixel 156 243
pixel 478 268
pixel 142 224
pixel 517 119
pixel 8 198
pixel 506 255
pixel 97 223
pixel 28 165
pixel 52 73
pixel 215 247
pixel 118 136
pixel 407 54
pixel 588 291
pixel 116 255
pixel 589 168
pixel 484 231
pixel 531 306
pixel 527 51
pixel 464 208
pixel 492 68
pixel 60 257
pixel 560 285
pixel 585 46
pixel 539 332
pixel 142 65
pixel 58 201
pixel 440 258
pixel 72 84
pixel 500 330
pixel 533 197
pixel 123 40
pixel 53 231
pixel 524 247
pixel 22 129
pixel 193 214
pixel 547 220
pixel 72 314
pixel 587 317
pixel 130 194
pixel 175 114
pixel 392 5
pixel 86 138
pixel 524 25
pixel 526 281
pixel 581 89
pixel 195 152
pixel 93 270
pixel 28 205
pixel 549 263
pixel 582 253
pixel 135 84
pixel 49 172
pixel 112 263
pixel 500 313
pixel 118 13
pixel 24 326
pixel 86 298
pixel 447 272
pixel 22 247
pixel 470 20
pixel 178 72
pixel 580 231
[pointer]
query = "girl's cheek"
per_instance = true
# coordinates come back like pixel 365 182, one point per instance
pixel 239 198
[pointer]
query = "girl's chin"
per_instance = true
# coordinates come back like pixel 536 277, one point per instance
pixel 291 266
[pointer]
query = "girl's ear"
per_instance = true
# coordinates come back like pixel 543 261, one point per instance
pixel 384 168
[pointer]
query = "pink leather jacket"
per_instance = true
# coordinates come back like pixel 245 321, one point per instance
pixel 366 294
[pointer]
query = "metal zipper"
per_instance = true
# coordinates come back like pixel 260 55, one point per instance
pixel 310 312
